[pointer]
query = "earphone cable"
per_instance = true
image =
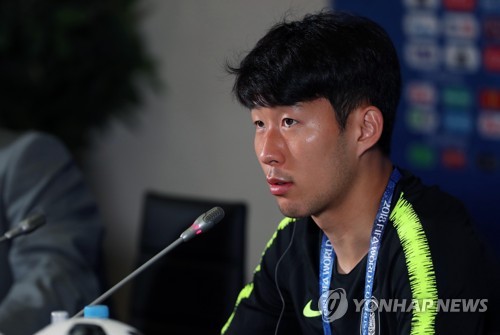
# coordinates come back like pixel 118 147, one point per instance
pixel 276 280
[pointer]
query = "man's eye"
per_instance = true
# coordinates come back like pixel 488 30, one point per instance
pixel 289 122
pixel 259 124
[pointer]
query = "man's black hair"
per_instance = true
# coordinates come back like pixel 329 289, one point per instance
pixel 347 59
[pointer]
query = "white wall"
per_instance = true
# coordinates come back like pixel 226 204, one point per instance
pixel 192 138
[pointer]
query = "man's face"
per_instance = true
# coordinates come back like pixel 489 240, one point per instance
pixel 305 156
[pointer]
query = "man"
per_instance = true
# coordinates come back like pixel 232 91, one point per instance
pixel 366 248
pixel 56 266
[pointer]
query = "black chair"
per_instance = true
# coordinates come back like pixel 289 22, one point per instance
pixel 193 288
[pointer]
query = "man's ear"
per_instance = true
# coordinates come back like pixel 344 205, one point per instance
pixel 371 124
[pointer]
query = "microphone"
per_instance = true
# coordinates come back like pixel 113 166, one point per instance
pixel 203 223
pixel 24 227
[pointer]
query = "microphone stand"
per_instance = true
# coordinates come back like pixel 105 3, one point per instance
pixel 203 223
pixel 132 275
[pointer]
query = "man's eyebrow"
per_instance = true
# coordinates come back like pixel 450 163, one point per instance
pixel 298 107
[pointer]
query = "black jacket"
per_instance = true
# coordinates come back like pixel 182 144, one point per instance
pixel 433 275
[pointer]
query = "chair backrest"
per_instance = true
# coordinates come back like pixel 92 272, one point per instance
pixel 193 288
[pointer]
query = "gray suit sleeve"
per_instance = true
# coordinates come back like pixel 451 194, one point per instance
pixel 53 268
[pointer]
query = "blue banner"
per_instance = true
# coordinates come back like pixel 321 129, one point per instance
pixel 448 126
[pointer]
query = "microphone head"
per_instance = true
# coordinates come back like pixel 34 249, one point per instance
pixel 31 223
pixel 203 223
pixel 26 226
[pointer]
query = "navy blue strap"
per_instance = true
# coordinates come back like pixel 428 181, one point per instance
pixel 327 258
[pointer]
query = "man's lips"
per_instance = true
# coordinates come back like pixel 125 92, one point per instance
pixel 279 186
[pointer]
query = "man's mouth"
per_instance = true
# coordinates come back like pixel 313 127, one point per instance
pixel 279 187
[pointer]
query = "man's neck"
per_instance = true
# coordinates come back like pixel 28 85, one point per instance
pixel 349 226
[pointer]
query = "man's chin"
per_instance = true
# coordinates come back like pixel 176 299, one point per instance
pixel 292 212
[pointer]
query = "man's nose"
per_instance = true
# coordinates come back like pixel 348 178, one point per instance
pixel 270 147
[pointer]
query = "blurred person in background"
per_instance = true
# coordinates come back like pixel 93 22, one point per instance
pixel 55 267
pixel 66 69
